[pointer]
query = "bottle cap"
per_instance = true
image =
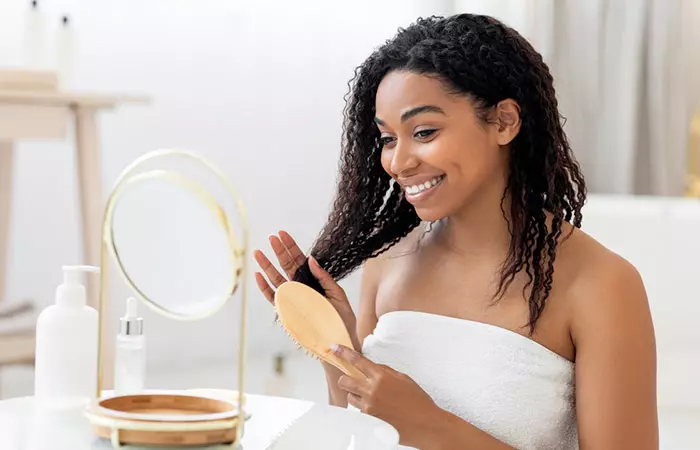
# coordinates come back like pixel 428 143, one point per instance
pixel 131 324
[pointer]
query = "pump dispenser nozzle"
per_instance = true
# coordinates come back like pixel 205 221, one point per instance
pixel 72 291
pixel 71 274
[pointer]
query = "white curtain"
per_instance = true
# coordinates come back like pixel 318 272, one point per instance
pixel 626 78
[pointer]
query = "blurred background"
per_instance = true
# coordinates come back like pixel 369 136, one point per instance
pixel 258 86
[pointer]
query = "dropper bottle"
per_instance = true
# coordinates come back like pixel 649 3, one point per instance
pixel 130 352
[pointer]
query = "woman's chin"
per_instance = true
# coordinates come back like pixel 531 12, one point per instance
pixel 430 214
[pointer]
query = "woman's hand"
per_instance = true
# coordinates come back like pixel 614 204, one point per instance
pixel 291 258
pixel 393 397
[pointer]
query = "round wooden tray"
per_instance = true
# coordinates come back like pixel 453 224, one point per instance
pixel 175 420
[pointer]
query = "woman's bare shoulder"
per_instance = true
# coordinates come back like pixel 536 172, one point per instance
pixel 373 271
pixel 588 264
pixel 599 282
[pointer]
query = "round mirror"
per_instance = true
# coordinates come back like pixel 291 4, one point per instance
pixel 171 231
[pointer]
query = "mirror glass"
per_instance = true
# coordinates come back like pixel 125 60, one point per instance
pixel 171 238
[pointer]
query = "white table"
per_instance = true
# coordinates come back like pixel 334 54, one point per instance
pixel 275 423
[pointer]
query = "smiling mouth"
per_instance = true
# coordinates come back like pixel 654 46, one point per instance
pixel 423 187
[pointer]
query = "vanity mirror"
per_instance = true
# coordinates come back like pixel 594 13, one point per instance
pixel 175 230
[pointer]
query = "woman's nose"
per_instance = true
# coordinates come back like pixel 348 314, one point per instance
pixel 403 159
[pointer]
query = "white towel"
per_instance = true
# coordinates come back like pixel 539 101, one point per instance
pixel 500 381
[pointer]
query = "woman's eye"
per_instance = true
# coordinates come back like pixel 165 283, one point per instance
pixel 423 134
pixel 386 140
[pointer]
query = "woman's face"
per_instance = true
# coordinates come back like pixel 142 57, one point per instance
pixel 436 147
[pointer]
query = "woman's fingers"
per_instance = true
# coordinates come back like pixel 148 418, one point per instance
pixel 264 287
pixel 327 282
pixel 351 385
pixel 285 259
pixel 293 248
pixel 272 274
pixel 355 358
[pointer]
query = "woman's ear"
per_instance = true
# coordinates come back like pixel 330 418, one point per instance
pixel 508 119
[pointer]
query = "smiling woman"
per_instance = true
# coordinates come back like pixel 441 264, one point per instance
pixel 500 324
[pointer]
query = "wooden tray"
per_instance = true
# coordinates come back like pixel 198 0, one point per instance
pixel 165 420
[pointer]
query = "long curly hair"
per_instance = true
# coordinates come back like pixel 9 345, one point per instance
pixel 487 61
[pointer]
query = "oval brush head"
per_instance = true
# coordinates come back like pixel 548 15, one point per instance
pixel 315 325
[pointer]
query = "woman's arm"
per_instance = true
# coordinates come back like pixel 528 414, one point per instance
pixel 366 322
pixel 615 360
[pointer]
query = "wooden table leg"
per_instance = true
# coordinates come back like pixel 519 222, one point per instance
pixel 92 210
pixel 90 191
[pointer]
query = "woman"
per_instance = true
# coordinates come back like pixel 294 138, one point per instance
pixel 487 318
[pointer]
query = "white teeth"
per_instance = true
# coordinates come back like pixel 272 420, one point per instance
pixel 423 186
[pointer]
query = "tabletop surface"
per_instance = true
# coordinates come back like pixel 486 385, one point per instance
pixel 58 98
pixel 274 424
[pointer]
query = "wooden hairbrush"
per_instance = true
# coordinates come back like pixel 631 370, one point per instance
pixel 314 324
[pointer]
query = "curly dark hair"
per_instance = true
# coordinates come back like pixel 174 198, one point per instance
pixel 487 61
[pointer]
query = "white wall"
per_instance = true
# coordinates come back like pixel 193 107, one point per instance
pixel 256 86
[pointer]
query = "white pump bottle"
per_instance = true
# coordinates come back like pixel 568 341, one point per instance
pixel 66 346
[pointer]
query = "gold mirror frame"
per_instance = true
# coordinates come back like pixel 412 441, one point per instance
pixel 239 251
pixel 214 207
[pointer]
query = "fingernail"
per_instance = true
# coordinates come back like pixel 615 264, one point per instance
pixel 335 348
